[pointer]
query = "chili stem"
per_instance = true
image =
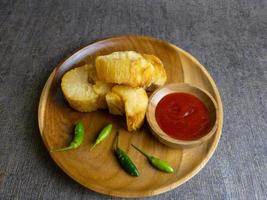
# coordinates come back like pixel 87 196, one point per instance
pixel 93 146
pixel 142 152
pixel 115 142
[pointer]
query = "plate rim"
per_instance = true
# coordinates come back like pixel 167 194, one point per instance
pixel 176 184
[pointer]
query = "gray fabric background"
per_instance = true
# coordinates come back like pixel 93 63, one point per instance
pixel 228 37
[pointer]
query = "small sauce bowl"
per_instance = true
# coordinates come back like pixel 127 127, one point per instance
pixel 201 94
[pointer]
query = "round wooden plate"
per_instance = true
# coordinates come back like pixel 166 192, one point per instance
pixel 99 170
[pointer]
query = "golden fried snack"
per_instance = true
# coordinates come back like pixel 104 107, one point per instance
pixel 131 68
pixel 115 103
pixel 81 93
pixel 92 76
pixel 131 101
pixel 101 89
pixel 159 76
pixel 125 67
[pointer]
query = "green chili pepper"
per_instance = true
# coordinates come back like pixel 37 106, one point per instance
pixel 125 160
pixel 155 162
pixel 102 135
pixel 77 139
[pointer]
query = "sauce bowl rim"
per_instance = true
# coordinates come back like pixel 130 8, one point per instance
pixel 161 135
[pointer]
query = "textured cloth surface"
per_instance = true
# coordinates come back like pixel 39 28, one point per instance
pixel 228 37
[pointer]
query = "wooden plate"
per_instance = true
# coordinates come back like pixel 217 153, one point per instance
pixel 99 170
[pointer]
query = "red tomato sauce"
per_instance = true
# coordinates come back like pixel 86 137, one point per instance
pixel 182 116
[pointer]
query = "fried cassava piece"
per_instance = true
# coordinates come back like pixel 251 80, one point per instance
pixel 117 81
pixel 129 101
pixel 131 68
pixel 81 92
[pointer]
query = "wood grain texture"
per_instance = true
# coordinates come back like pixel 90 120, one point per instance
pixel 98 169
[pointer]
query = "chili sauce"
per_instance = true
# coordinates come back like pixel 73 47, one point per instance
pixel 183 116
